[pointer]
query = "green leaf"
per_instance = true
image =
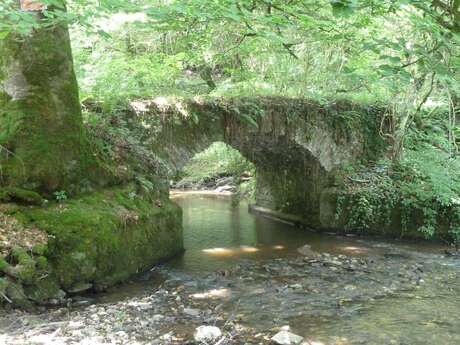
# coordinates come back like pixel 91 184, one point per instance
pixel 3 34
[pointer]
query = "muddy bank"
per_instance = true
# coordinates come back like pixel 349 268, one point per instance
pixel 315 295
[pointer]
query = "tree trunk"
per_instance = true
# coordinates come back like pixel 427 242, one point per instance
pixel 40 116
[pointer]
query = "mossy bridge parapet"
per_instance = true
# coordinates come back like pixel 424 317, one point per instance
pixel 297 145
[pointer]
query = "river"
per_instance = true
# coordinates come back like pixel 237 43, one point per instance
pixel 243 273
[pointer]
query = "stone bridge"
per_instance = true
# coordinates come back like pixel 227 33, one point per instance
pixel 297 146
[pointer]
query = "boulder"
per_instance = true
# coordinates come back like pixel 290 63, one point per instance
pixel 224 181
pixel 226 188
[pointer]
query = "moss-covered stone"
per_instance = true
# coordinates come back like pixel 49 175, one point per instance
pixel 21 196
pixel 105 237
pixel 39 249
pixel 25 268
pixel 42 263
pixel 99 238
pixel 16 295
pixel 338 207
pixel 43 290
pixel 296 145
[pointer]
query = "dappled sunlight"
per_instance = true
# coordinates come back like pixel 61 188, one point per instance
pixel 279 247
pixel 162 102
pixel 355 249
pixel 231 251
pixel 212 294
pixel 140 106
pixel 181 107
pixel 219 251
pixel 249 249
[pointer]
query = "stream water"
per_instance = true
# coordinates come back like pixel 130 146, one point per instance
pixel 218 235
pixel 244 274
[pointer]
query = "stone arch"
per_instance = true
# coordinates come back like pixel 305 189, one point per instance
pixel 296 145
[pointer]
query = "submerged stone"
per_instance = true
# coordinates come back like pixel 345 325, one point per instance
pixel 192 312
pixel 287 338
pixel 307 251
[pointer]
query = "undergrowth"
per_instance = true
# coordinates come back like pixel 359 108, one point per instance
pixel 421 189
pixel 219 160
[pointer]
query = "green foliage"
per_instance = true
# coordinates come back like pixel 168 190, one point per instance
pixel 60 196
pixel 430 183
pixel 404 54
pixel 421 189
pixel 367 50
pixel 118 78
pixel 369 199
pixel 246 189
pixel 216 161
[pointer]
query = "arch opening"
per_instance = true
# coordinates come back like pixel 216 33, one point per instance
pixel 219 168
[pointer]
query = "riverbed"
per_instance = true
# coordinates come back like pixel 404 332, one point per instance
pixel 244 274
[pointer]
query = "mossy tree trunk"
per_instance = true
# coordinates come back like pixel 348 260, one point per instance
pixel 40 116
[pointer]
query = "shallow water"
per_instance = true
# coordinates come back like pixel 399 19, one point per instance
pixel 217 235
pixel 243 273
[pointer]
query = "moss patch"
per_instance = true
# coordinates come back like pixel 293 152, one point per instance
pixel 105 237
pixel 99 239
pixel 21 196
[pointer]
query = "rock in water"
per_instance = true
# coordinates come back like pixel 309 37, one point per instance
pixel 306 251
pixel 226 188
pixel 207 334
pixel 287 338
pixel 191 312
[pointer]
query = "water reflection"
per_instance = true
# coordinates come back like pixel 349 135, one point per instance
pixel 217 235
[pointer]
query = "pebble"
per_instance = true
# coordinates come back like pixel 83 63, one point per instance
pixel 207 334
pixel 287 338
pixel 157 318
pixel 160 317
pixel 192 312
